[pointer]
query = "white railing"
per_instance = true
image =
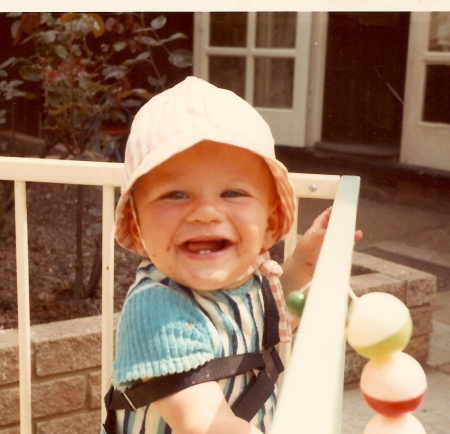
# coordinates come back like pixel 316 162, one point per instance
pixel 107 175
pixel 311 399
pixel 312 393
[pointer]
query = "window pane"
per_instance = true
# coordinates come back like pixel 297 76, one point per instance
pixel 440 31
pixel 274 82
pixel 275 29
pixel 228 72
pixel 437 94
pixel 228 29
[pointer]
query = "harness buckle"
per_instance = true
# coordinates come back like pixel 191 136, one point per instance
pixel 270 357
pixel 124 394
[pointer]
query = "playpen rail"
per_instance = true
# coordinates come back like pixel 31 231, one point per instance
pixel 312 393
pixel 293 410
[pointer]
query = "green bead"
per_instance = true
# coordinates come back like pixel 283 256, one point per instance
pixel 295 302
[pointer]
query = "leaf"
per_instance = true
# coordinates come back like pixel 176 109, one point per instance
pixel 47 18
pixel 16 30
pixel 181 58
pixel 9 91
pixel 147 40
pixel 67 17
pixel 97 24
pixel 114 26
pixel 30 21
pixel 119 46
pixel 29 73
pixel 152 80
pixel 142 29
pixel 7 62
pixel 158 22
pixel 116 72
pixel 83 26
pixel 155 82
pixel 111 24
pixel 178 35
pixel 76 50
pixel 61 51
pixel 48 37
pixel 144 55
pixel 13 83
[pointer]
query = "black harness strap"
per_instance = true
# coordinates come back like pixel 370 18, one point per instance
pixel 160 387
pixel 252 398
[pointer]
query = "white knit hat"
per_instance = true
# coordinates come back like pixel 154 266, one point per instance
pixel 183 116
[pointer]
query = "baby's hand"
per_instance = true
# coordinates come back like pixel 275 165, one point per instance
pixel 308 248
pixel 299 268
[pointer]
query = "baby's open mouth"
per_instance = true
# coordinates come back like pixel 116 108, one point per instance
pixel 205 246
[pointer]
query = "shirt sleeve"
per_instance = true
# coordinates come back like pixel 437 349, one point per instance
pixel 160 332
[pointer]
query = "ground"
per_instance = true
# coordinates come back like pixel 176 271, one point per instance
pixel 51 226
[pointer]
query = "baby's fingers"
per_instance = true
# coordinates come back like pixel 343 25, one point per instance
pixel 322 220
pixel 358 235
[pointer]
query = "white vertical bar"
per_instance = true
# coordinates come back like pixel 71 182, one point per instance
pixel 250 60
pixel 201 42
pixel 23 300
pixel 316 78
pixel 311 399
pixel 107 289
pixel 290 241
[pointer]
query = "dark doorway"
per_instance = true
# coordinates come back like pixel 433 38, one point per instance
pixel 365 79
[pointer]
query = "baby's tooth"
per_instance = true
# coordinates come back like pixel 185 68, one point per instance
pixel 204 252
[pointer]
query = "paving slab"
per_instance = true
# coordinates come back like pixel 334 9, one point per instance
pixel 439 346
pixel 441 310
pixel 419 253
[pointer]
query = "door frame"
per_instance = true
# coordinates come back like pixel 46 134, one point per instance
pixel 289 126
pixel 425 144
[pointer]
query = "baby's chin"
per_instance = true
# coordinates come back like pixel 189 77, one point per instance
pixel 212 281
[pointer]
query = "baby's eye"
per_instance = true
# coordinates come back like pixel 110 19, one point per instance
pixel 229 194
pixel 174 195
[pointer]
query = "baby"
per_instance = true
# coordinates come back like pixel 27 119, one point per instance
pixel 203 199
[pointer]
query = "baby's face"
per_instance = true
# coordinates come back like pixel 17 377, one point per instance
pixel 206 214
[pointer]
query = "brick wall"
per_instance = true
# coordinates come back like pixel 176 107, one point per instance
pixel 66 395
pixel 66 355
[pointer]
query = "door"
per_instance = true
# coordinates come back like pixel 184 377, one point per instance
pixel 263 57
pixel 426 119
pixel 364 82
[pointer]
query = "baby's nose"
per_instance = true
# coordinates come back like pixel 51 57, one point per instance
pixel 205 211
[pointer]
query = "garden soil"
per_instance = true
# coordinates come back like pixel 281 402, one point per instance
pixel 52 229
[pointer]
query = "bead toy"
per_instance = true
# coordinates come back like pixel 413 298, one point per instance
pixel 393 384
pixel 378 325
pixel 406 424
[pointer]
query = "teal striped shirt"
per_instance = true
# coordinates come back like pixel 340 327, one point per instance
pixel 166 328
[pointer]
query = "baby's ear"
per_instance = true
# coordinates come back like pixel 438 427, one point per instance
pixel 135 235
pixel 274 225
